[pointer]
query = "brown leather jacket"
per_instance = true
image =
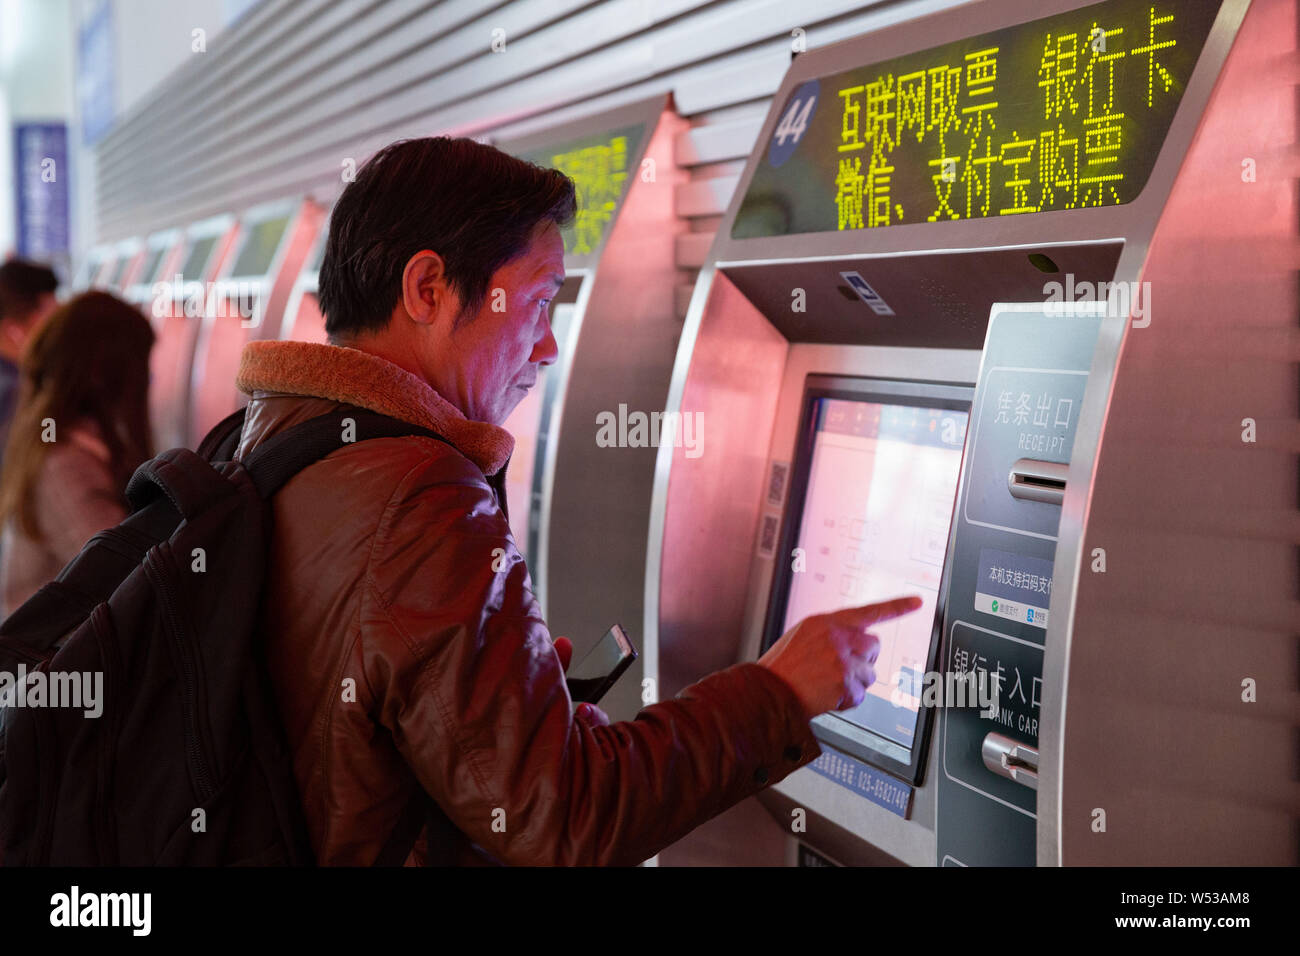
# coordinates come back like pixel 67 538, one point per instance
pixel 401 658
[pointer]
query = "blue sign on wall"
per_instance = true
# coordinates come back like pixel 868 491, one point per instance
pixel 96 86
pixel 41 184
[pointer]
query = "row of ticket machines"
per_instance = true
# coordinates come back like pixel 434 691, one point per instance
pixel 960 334
pixel 209 289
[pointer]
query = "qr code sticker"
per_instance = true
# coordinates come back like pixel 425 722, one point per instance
pixel 767 536
pixel 776 483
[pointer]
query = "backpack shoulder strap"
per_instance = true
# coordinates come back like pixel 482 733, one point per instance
pixel 281 457
pixel 221 442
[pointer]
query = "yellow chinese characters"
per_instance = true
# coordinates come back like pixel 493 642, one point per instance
pixel 995 134
pixel 599 174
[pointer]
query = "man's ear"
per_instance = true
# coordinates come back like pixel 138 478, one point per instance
pixel 426 294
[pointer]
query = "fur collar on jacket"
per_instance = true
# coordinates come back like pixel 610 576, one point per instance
pixel 358 378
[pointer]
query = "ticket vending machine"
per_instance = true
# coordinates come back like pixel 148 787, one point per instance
pixel 90 268
pixel 101 266
pixel 247 302
pixel 921 355
pixel 159 261
pixel 126 261
pixel 177 312
pixel 1033 380
pixel 101 276
pixel 579 496
pixel 303 320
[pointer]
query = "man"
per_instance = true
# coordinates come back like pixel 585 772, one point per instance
pixel 405 645
pixel 26 297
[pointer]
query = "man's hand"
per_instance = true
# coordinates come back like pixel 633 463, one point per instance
pixel 829 660
pixel 564 648
pixel 589 714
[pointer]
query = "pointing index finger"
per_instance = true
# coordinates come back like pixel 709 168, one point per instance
pixel 874 613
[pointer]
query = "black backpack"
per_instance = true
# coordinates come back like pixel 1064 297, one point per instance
pixel 186 763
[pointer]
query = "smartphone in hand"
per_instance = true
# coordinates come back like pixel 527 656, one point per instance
pixel 604 664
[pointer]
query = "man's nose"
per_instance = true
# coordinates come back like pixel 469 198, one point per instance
pixel 547 350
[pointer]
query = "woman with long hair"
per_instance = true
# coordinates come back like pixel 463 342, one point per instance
pixel 80 431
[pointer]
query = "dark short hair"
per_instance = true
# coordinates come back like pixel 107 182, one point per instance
pixel 474 205
pixel 22 283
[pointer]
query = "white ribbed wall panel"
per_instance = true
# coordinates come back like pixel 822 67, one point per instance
pixel 280 100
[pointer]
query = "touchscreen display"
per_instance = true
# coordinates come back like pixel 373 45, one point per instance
pixel 875 521
pixel 259 248
pixel 151 264
pixel 197 260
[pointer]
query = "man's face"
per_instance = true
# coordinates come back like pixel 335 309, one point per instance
pixel 490 359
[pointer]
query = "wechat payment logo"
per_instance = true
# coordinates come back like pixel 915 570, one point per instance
pixel 995 605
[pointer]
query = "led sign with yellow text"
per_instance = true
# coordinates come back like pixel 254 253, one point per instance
pixel 1066 112
pixel 598 166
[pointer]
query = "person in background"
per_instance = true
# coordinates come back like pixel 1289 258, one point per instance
pixel 26 296
pixel 80 430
